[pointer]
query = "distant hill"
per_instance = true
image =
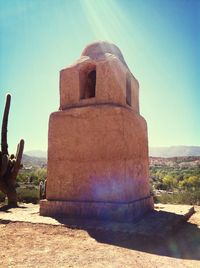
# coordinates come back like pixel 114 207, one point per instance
pixel 33 161
pixel 36 153
pixel 171 151
pixel 178 161
pixel 174 151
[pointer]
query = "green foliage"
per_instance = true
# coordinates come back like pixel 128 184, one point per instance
pixel 183 184
pixel 33 176
pixel 186 197
pixel 164 177
pixel 28 195
pixel 28 182
pixel 169 182
pixel 192 182
pixel 22 177
pixel 41 174
pixel 25 194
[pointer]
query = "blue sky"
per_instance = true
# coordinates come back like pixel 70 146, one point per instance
pixel 159 40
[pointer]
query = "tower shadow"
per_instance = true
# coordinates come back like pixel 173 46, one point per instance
pixel 159 232
pixel 184 243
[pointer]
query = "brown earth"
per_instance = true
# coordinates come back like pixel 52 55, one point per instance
pixel 41 245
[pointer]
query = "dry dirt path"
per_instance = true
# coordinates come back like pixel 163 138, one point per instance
pixel 39 245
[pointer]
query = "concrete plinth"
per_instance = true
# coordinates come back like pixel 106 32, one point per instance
pixel 121 212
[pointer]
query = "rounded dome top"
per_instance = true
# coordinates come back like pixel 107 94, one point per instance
pixel 99 49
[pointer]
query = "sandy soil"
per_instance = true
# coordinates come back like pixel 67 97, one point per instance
pixel 39 245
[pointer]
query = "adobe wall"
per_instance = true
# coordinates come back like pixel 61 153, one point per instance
pixel 110 83
pixel 97 153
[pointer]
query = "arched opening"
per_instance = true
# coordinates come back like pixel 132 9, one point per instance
pixel 128 89
pixel 88 84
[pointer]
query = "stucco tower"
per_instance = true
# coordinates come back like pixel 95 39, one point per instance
pixel 97 144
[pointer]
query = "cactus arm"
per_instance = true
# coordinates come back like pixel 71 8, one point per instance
pixel 0 161
pixel 17 163
pixel 4 144
pixel 20 149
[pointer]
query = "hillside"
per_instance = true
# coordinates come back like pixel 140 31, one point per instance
pixel 31 161
pixel 181 162
pixel 37 153
pixel 173 151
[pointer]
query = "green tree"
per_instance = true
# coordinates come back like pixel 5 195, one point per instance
pixel 169 182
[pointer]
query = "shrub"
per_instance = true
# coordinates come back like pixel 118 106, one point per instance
pixel 2 197
pixel 186 197
pixel 28 195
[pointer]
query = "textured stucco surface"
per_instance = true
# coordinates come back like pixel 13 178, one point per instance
pixel 110 83
pixel 97 153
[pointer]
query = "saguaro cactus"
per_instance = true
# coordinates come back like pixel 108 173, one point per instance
pixel 9 164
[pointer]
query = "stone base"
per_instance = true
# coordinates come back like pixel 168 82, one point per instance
pixel 122 212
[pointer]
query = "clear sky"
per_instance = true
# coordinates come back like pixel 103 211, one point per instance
pixel 160 41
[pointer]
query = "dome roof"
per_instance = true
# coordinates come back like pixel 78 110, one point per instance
pixel 99 49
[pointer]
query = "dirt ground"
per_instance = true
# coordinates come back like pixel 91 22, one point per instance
pixel 40 245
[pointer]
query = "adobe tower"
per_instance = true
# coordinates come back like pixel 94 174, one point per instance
pixel 97 143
